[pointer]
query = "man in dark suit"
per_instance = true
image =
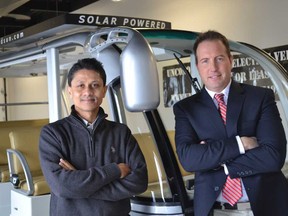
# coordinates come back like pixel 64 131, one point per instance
pixel 247 144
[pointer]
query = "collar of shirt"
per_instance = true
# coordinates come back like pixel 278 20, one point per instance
pixel 88 124
pixel 225 92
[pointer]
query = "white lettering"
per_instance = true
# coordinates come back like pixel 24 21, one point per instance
pixel 125 21
pixel 90 19
pixel 81 19
pixel 175 72
pixel 141 22
pixel 158 25
pixel 281 55
pixel 242 62
pixel 113 21
pixel 256 75
pixel 98 21
pixel 240 77
pixel 133 22
pixel 147 24
pixel 12 38
pixel 106 21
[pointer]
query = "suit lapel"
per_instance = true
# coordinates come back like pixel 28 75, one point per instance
pixel 234 106
pixel 212 113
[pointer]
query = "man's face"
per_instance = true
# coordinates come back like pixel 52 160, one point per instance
pixel 87 91
pixel 214 65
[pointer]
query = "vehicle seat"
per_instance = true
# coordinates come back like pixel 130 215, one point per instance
pixel 24 163
pixel 5 128
pixel 152 157
pixel 157 183
pixel 171 135
pixel 4 144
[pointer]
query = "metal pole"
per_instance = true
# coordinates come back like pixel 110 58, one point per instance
pixel 5 99
pixel 54 91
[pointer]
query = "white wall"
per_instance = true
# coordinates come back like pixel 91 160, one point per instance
pixel 260 22
pixel 27 89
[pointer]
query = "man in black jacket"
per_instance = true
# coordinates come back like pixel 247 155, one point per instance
pixel 92 165
pixel 239 139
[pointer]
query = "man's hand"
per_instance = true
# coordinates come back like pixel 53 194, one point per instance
pixel 125 170
pixel 249 142
pixel 66 165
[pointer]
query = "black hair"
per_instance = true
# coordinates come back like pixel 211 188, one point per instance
pixel 89 64
pixel 210 36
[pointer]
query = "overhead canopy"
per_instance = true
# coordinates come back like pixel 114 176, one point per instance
pixel 56 32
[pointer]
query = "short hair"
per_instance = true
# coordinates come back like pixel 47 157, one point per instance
pixel 89 64
pixel 210 36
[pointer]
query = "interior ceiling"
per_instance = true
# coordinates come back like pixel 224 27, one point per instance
pixel 16 15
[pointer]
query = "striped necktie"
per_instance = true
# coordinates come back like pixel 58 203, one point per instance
pixel 221 106
pixel 232 190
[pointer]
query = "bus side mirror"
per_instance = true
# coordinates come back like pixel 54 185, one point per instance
pixel 137 66
pixel 139 75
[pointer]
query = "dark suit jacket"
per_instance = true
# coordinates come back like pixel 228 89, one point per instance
pixel 251 111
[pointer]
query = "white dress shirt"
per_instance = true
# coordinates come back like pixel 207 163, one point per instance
pixel 220 198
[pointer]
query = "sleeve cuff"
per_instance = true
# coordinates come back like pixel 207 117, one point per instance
pixel 226 169
pixel 240 145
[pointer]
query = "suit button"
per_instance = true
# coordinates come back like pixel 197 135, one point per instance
pixel 216 188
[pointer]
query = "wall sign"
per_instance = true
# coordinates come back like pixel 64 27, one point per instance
pixel 176 85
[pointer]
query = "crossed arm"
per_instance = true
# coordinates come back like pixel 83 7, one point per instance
pixel 247 142
pixel 124 168
pixel 263 154
pixel 109 181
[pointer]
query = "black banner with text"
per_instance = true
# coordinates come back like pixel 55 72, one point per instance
pixel 247 70
pixel 176 84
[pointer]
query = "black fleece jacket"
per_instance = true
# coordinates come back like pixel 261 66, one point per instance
pixel 95 188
